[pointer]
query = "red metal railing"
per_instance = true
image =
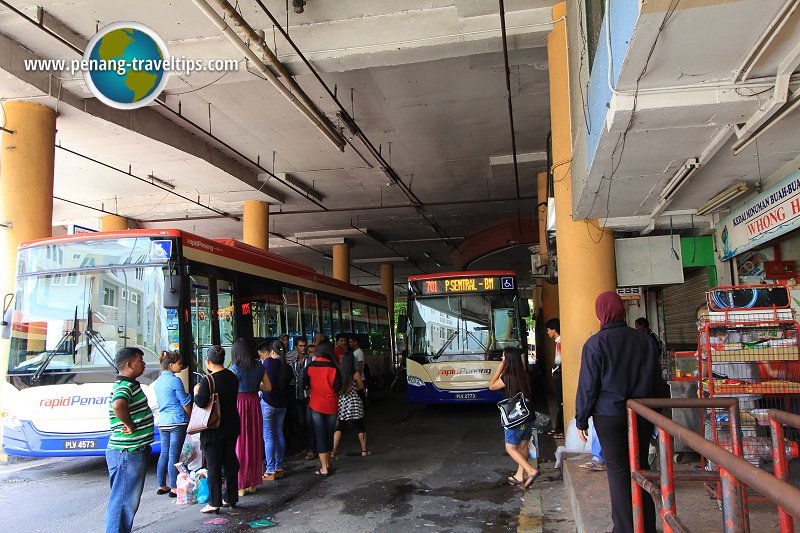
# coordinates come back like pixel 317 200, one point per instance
pixel 777 419
pixel 734 472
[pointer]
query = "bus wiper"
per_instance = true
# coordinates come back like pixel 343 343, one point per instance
pixel 446 344
pixel 61 348
pixel 471 334
pixel 97 340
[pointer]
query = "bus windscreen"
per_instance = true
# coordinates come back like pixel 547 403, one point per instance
pixel 465 327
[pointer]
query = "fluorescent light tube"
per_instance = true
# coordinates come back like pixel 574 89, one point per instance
pixel 724 198
pixel 679 179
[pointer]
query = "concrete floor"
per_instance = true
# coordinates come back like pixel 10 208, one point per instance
pixel 438 468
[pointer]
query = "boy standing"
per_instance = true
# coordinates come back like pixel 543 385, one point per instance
pixel 129 445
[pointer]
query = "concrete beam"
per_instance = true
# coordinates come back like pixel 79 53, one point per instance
pixel 149 122
pixel 428 34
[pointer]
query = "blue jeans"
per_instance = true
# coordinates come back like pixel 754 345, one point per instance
pixel 171 446
pixel 126 472
pixel 274 441
pixel 597 450
pixel 323 430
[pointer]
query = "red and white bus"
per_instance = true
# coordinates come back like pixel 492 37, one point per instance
pixel 458 324
pixel 80 298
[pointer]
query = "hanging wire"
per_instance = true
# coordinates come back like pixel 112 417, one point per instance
pixel 672 240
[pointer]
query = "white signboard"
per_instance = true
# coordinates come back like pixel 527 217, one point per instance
pixel 772 213
pixel 630 293
pixel 648 261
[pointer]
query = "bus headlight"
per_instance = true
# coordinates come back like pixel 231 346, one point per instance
pixel 414 380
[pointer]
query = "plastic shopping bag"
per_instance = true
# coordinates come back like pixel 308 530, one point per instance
pixel 203 492
pixel 196 460
pixel 186 490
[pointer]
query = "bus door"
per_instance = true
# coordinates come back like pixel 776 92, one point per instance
pixel 211 314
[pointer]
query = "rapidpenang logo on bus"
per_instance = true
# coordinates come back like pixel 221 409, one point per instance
pixel 462 371
pixel 127 65
pixel 68 401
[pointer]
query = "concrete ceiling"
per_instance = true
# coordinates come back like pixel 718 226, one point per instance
pixel 694 77
pixel 423 79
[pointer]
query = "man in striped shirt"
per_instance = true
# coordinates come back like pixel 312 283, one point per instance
pixel 129 445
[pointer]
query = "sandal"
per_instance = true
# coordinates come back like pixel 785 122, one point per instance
pixel 594 466
pixel 530 480
pixel 310 456
pixel 514 481
pixel 334 455
pixel 365 453
pixel 322 474
pixel 268 476
pixel 556 435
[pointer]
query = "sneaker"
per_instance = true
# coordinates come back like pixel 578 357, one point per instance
pixel 593 466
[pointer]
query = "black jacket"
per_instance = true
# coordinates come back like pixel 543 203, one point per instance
pixel 227 388
pixel 617 363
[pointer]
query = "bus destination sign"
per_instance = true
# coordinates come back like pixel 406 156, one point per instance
pixel 448 286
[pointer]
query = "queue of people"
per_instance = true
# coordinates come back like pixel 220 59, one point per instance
pixel 248 445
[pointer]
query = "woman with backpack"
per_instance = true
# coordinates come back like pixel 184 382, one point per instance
pixel 512 378
pixel 273 406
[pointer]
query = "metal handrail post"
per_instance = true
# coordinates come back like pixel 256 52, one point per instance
pixel 637 500
pixel 732 516
pixel 776 490
pixel 738 450
pixel 667 478
pixel 780 462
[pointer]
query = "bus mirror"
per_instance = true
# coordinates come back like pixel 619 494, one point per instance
pixel 402 323
pixel 5 323
pixel 524 307
pixel 172 291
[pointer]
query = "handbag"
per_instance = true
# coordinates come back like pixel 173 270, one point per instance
pixel 514 411
pixel 207 417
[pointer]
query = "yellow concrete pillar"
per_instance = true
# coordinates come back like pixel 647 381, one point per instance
pixel 26 190
pixel 545 348
pixel 586 265
pixel 341 262
pixel 113 223
pixel 256 224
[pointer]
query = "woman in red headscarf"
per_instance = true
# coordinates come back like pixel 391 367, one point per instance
pixel 617 363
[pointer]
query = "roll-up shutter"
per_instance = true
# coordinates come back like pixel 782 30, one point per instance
pixel 680 309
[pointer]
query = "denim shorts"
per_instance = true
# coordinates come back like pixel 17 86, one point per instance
pixel 518 434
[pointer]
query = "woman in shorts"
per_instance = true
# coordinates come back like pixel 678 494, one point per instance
pixel 511 378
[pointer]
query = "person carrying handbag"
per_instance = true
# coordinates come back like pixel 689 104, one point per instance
pixel 512 379
pixel 219 443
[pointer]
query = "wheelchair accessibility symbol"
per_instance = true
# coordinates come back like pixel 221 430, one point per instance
pixel 507 283
pixel 160 250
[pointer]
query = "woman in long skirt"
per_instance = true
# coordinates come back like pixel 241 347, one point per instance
pixel 250 446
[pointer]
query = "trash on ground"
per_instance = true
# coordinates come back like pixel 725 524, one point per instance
pixel 261 524
pixel 216 521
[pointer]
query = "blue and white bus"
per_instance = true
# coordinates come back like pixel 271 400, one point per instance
pixel 457 327
pixel 80 298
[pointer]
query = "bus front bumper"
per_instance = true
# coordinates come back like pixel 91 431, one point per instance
pixel 428 393
pixel 27 441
